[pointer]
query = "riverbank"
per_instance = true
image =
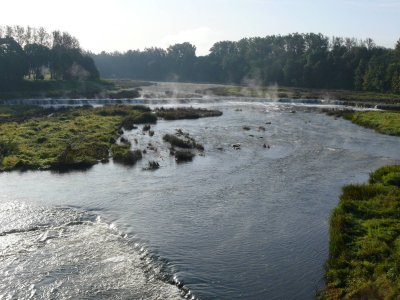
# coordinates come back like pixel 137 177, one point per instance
pixel 353 98
pixel 304 93
pixel 74 89
pixel 384 122
pixel 28 89
pixel 364 227
pixel 130 89
pixel 364 240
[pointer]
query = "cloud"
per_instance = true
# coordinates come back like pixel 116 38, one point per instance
pixel 202 37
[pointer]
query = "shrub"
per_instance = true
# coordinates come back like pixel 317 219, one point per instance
pixel 182 156
pixel 145 117
pixel 186 113
pixel 177 142
pixel 123 154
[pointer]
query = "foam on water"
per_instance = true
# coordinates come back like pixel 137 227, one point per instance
pixel 60 253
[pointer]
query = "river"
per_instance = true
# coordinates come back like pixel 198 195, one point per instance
pixel 232 224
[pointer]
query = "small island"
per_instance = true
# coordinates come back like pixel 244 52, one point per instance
pixel 32 137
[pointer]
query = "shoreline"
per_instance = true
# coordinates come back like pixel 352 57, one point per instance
pixel 364 243
pixel 124 89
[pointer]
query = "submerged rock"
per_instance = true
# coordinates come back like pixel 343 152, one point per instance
pixel 236 146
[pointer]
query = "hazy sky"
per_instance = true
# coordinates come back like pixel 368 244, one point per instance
pixel 136 24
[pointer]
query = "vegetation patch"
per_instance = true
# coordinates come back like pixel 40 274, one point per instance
pixel 124 155
pixel 186 113
pixel 186 142
pixel 181 155
pixel 67 138
pixel 152 165
pixel 141 118
pixel 125 94
pixel 382 121
pixel 364 250
pixel 368 98
pixel 73 89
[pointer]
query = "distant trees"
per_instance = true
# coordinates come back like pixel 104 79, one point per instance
pixel 302 60
pixel 13 62
pixel 181 59
pixel 38 57
pixel 33 51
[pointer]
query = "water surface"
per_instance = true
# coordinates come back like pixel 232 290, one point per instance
pixel 233 224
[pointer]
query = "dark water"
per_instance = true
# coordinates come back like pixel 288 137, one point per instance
pixel 234 224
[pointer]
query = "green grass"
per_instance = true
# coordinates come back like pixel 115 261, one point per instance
pixel 186 142
pixel 382 121
pixel 18 110
pixel 71 138
pixel 57 89
pixel 304 93
pixel 129 83
pixel 124 155
pixel 364 260
pixel 186 113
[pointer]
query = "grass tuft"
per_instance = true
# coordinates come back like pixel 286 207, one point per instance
pixel 364 248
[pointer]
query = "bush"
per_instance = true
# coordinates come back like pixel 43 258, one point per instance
pixel 122 154
pixel 7 147
pixel 125 94
pixel 186 113
pixel 177 142
pixel 145 117
pixel 182 156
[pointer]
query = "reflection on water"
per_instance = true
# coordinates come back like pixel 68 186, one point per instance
pixel 234 224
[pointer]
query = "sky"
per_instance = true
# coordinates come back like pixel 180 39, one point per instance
pixel 120 25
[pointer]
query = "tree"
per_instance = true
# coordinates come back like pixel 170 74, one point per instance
pixel 182 58
pixel 359 75
pixel 13 63
pixel 375 75
pixel 38 57
pixel 41 37
pixel 370 44
pixel 307 60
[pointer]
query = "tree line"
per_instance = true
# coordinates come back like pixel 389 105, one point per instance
pixel 34 52
pixel 300 60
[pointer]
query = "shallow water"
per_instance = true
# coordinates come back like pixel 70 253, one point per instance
pixel 233 224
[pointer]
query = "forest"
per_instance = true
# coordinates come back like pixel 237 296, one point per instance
pixel 298 60
pixel 294 60
pixel 35 54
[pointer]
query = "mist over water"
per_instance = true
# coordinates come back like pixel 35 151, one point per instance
pixel 234 224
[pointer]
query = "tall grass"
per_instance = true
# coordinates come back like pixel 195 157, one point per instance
pixel 364 248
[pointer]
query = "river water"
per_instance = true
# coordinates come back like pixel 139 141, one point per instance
pixel 232 224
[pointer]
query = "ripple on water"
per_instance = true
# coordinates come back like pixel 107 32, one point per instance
pixel 57 253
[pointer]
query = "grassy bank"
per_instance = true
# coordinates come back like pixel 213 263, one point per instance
pixel 302 93
pixel 382 121
pixel 67 138
pixel 364 250
pixel 57 89
pixel 365 240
